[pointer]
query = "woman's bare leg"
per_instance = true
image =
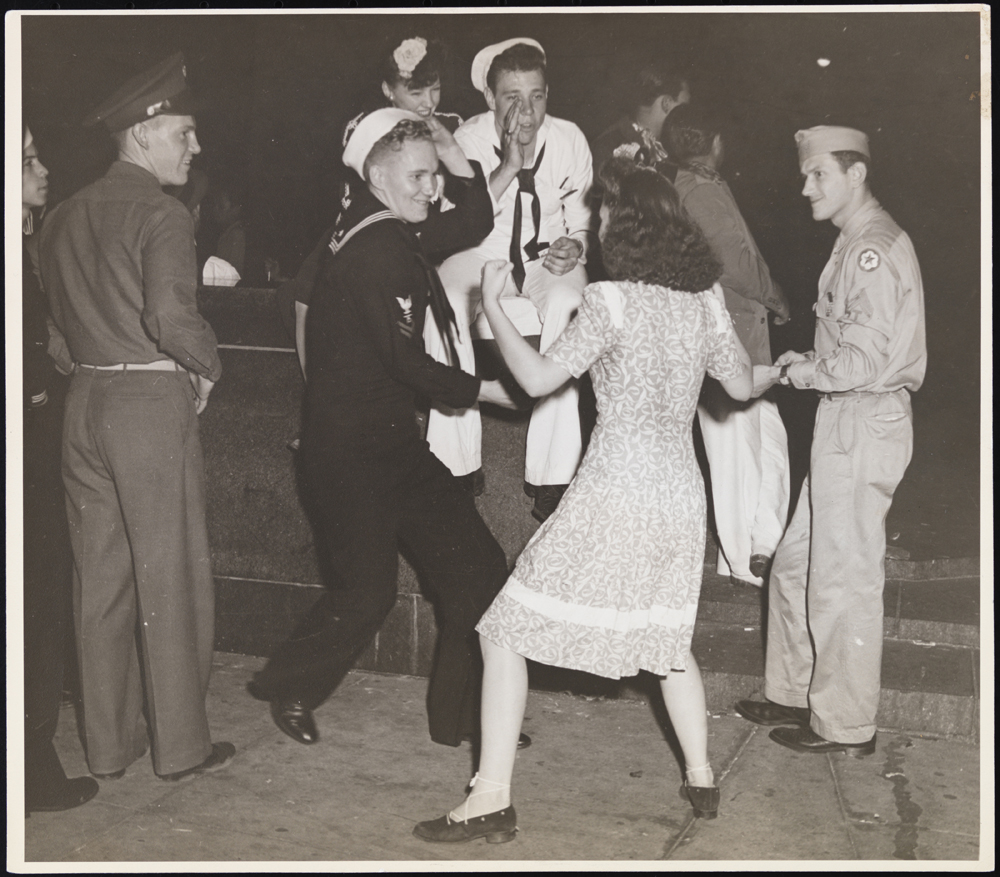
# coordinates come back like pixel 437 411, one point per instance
pixel 505 693
pixel 684 696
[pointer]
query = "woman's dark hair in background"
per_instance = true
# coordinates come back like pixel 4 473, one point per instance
pixel 650 238
pixel 690 131
pixel 651 80
pixel 426 72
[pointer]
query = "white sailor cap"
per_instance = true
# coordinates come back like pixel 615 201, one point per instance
pixel 369 130
pixel 484 59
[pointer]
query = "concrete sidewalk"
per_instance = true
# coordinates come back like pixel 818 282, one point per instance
pixel 600 783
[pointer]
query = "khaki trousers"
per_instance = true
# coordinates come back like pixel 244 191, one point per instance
pixel 142 584
pixel 824 634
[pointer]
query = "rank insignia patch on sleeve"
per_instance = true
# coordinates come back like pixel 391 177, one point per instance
pixel 868 260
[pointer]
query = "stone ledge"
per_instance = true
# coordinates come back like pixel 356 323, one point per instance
pixel 928 688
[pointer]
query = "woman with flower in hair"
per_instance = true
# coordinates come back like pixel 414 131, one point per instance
pixel 609 584
pixel 411 80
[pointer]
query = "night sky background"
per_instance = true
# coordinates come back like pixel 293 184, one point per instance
pixel 280 87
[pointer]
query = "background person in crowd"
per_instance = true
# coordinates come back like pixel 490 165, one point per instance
pixel 824 629
pixel 48 558
pixel 411 80
pixel 369 481
pixel 655 90
pixel 745 442
pixel 609 584
pixel 540 170
pixel 118 266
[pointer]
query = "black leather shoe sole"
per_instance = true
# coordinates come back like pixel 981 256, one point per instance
pixel 807 740
pixel 763 712
pixel 74 793
pixel 498 827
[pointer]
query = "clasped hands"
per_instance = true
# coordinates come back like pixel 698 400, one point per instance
pixel 766 376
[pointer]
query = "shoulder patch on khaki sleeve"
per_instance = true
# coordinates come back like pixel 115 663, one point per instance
pixel 869 260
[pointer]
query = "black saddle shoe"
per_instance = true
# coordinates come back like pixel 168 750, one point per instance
pixel 764 712
pixel 295 720
pixel 807 740
pixel 70 794
pixel 498 827
pixel 704 800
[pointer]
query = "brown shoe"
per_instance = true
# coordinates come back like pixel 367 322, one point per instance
pixel 222 754
pixel 764 712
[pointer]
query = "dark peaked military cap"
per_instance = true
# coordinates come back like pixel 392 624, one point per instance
pixel 159 91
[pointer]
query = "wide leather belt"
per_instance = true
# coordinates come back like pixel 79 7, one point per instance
pixel 161 365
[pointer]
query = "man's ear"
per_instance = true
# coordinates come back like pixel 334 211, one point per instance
pixel 857 173
pixel 491 100
pixel 140 134
pixel 376 176
pixel 387 91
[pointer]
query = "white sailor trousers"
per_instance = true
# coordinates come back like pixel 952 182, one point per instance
pixel 747 450
pixel 554 444
pixel 824 626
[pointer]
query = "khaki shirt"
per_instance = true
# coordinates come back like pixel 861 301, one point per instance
pixel 870 332
pixel 118 265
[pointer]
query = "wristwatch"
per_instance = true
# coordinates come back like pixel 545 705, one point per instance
pixel 783 378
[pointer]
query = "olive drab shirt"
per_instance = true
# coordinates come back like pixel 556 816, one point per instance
pixel 870 334
pixel 118 265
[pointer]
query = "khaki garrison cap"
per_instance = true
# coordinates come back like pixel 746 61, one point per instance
pixel 829 138
pixel 159 91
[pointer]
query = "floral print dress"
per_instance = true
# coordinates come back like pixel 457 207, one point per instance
pixel 609 583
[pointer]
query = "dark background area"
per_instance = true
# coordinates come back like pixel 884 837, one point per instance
pixel 280 87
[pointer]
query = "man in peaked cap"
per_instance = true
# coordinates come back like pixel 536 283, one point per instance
pixel 824 633
pixel 539 170
pixel 118 266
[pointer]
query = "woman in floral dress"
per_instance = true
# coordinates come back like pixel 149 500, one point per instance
pixel 610 583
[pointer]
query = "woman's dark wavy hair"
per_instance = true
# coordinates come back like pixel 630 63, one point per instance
pixel 427 72
pixel 650 237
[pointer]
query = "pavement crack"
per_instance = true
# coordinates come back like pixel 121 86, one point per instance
pixel 907 809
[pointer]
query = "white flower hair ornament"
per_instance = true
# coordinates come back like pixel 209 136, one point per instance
pixel 408 55
pixel 626 150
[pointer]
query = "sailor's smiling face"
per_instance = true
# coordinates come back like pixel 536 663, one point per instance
pixel 405 179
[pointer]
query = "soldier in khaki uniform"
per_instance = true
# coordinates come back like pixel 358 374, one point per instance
pixel 824 640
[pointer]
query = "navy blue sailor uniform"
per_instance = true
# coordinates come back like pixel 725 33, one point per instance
pixel 369 481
